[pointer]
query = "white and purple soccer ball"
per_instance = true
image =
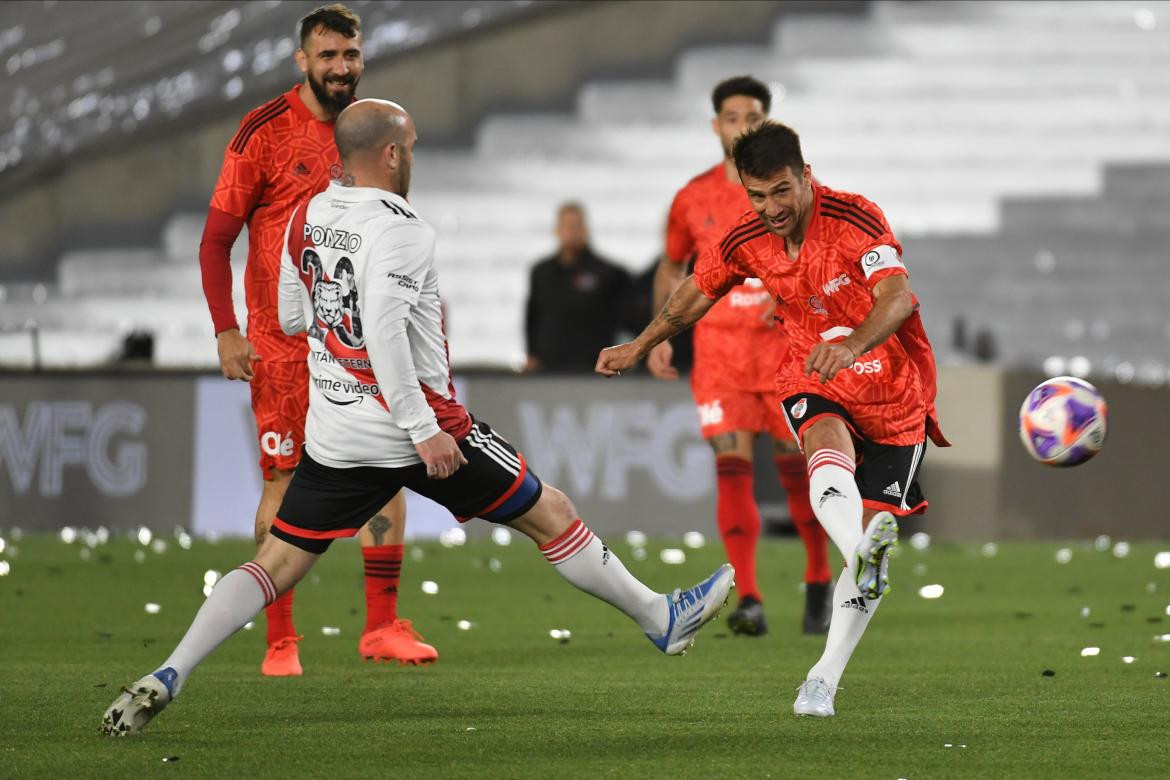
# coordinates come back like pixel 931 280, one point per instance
pixel 1063 421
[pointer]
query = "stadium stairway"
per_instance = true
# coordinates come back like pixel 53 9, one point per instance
pixel 1019 150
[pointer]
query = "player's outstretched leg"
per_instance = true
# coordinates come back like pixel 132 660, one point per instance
pixel 235 600
pixel 670 621
pixel 386 636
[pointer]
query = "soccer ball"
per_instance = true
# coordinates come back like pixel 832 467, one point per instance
pixel 1063 422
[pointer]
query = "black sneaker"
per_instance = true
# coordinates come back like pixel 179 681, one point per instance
pixel 818 607
pixel 748 618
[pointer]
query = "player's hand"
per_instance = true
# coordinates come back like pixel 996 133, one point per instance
pixel 614 360
pixel 828 358
pixel 659 361
pixel 442 455
pixel 236 355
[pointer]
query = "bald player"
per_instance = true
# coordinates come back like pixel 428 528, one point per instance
pixel 282 154
pixel 358 276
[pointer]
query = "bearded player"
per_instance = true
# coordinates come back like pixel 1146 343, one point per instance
pixel 859 385
pixel 737 350
pixel 284 153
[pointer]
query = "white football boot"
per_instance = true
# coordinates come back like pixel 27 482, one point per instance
pixel 814 697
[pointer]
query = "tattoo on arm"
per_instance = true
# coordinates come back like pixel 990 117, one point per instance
pixel 379 527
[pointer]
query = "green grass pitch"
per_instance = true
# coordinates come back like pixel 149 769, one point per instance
pixel 506 700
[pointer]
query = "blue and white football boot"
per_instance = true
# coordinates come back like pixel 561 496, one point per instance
pixel 692 608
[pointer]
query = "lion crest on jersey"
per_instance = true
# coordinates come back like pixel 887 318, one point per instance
pixel 335 301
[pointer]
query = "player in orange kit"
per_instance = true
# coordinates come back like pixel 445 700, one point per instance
pixel 284 153
pixel 858 389
pixel 737 350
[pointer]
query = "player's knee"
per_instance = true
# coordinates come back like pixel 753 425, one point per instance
pixel 827 433
pixel 549 518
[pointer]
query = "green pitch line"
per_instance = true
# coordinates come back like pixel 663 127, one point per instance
pixel 507 700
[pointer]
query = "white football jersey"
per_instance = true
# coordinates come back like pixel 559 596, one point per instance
pixel 358 274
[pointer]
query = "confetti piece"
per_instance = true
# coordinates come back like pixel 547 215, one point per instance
pixel 464 625
pixel 1129 659
pixel 1048 673
pixel 153 609
pixel 920 541
pixel 1063 555
pixel 501 536
pixel 562 635
pixel 694 540
pixel 144 535
pixel 430 587
pixel 68 535
pixel 990 550
pixel 1162 560
pixel 1121 550
pixel 673 556
pixel 1088 652
pixel 330 630
pixel 635 539
pixel 1102 543
pixel 930 591
pixel 210 577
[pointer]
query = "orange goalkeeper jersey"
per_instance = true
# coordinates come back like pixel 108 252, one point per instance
pixel 280 156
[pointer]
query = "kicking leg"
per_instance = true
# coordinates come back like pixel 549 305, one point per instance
pixel 581 558
pixel 836 500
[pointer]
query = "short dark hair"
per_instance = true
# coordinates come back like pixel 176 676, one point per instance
pixel 763 151
pixel 335 17
pixel 742 85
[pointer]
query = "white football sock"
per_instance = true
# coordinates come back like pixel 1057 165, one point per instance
pixel 836 501
pixel 583 560
pixel 235 600
pixel 851 614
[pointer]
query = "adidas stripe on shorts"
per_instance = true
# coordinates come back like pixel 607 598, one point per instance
pixel 324 503
pixel 887 474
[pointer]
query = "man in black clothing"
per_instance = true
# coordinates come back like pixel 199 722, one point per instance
pixel 577 301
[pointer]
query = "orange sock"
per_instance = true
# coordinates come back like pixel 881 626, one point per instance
pixel 738 519
pixel 383 568
pixel 280 620
pixel 794 477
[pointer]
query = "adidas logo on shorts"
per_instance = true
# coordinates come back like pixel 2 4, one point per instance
pixel 893 489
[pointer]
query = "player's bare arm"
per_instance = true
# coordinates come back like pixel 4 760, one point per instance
pixel 893 303
pixel 686 307
pixel 236 355
pixel 667 277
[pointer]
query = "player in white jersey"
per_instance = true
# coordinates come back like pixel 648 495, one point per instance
pixel 358 274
